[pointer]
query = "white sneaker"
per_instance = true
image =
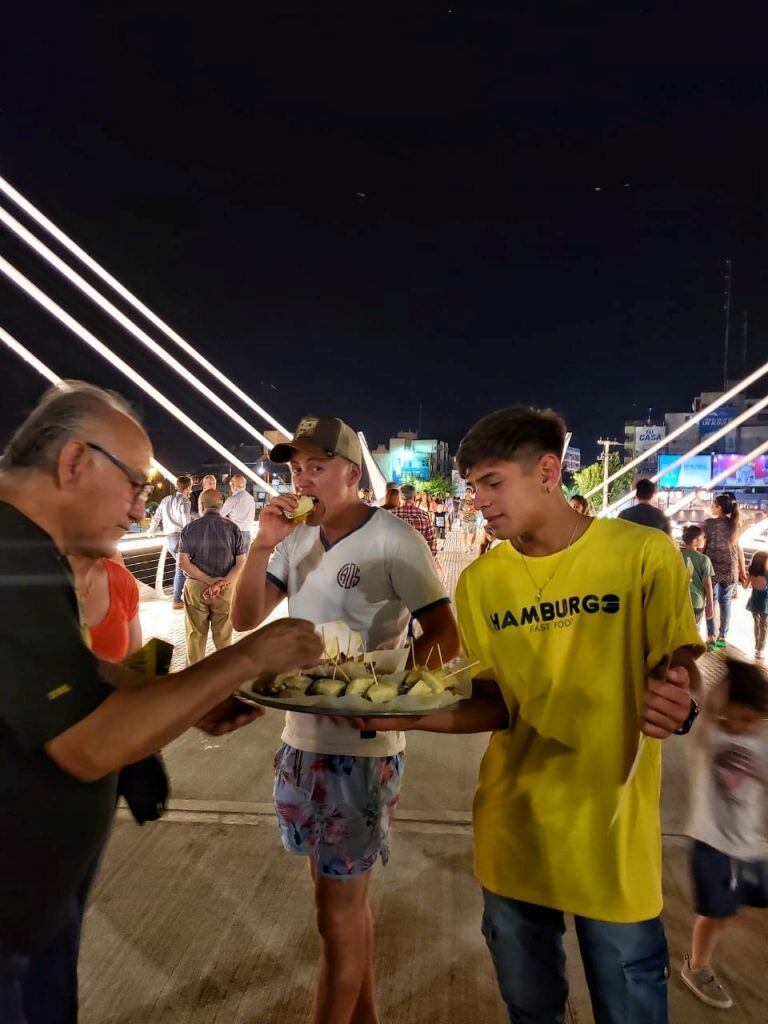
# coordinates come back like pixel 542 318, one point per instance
pixel 703 983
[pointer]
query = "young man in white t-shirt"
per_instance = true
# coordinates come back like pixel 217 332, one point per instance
pixel 336 790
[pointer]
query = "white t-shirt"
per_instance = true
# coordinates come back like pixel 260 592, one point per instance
pixel 240 507
pixel 373 579
pixel 729 790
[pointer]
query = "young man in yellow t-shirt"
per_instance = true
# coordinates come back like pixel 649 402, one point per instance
pixel 586 644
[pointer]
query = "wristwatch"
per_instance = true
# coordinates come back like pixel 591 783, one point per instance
pixel 685 728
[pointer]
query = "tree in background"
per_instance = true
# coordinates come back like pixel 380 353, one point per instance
pixel 592 476
pixel 438 485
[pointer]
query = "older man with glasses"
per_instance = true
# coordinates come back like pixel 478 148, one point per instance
pixel 72 480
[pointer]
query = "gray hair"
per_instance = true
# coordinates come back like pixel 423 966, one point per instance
pixel 61 414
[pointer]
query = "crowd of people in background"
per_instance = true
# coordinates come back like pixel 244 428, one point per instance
pixel 711 550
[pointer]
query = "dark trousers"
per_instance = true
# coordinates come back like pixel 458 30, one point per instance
pixel 41 988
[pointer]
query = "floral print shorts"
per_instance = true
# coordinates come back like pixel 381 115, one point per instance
pixel 337 808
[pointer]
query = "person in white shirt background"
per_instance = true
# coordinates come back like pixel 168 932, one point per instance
pixel 171 516
pixel 335 789
pixel 240 507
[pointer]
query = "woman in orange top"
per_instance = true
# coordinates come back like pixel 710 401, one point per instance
pixel 109 596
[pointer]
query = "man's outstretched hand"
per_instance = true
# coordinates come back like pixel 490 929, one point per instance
pixel 666 704
pixel 231 714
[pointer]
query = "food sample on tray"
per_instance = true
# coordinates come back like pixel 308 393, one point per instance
pixel 358 678
pixel 304 508
pixel 354 681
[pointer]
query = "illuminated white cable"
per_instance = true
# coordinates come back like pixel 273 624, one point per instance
pixel 708 441
pixel 726 397
pixel 53 378
pixel 15 196
pixel 743 461
pixel 375 476
pixel 79 282
pixel 106 353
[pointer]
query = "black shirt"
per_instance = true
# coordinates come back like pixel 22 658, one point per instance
pixel 212 543
pixel 647 515
pixel 51 825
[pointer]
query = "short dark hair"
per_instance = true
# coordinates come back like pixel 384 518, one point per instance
pixel 747 685
pixel 691 533
pixel 512 435
pixel 645 489
pixel 408 491
pixel 183 482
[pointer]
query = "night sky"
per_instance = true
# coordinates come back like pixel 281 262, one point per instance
pixel 354 210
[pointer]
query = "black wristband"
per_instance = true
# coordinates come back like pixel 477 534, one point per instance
pixel 685 728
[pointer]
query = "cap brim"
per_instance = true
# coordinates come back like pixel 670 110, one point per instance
pixel 285 452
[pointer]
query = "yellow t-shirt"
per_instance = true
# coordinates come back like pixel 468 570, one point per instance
pixel 572 669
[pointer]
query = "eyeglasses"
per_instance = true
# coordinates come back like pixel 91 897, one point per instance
pixel 141 488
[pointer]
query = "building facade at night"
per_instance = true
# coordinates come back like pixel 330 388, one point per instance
pixel 408 455
pixel 641 435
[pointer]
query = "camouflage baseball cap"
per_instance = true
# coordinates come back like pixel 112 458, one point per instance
pixel 325 436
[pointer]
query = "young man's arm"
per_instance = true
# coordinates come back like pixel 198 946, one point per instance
pixel 484 711
pixel 142 715
pixel 440 636
pixel 256 595
pixel 672 639
pixel 667 702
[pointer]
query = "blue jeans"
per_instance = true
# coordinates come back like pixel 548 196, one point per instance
pixel 173 540
pixel 627 965
pixel 722 594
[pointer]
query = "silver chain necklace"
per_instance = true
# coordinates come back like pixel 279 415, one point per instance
pixel 540 589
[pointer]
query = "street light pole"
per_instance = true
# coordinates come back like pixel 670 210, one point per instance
pixel 727 311
pixel 606 460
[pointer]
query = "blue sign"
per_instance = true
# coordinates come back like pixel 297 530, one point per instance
pixel 716 420
pixel 696 471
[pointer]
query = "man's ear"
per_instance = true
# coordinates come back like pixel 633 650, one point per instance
pixel 355 474
pixel 71 463
pixel 549 470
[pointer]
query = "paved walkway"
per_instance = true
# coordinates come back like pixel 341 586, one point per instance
pixel 202 918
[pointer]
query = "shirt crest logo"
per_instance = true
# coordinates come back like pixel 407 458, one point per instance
pixel 348 576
